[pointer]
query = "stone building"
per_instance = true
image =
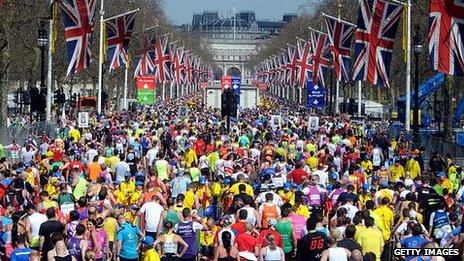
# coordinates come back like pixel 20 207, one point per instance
pixel 234 41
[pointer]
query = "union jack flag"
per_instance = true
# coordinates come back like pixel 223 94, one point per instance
pixel 118 35
pixel 78 18
pixel 291 65
pixel 144 62
pixel 188 68
pixel 446 36
pixel 321 47
pixel 162 60
pixel 179 66
pixel 377 25
pixel 340 34
pixel 304 64
pixel 196 65
pixel 283 60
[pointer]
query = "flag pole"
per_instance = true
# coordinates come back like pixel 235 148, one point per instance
pixel 407 124
pixel 126 80
pixel 164 91
pixel 359 98
pixel 338 19
pixel 48 111
pixel 120 15
pixel 317 31
pixel 100 61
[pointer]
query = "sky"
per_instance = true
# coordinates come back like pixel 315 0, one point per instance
pixel 181 11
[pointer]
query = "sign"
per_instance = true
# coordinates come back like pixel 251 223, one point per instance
pixel 284 114
pixel 226 82
pixel 204 85
pixel 316 95
pixel 313 123
pixel 183 112
pixel 145 82
pixel 275 121
pixel 236 84
pixel 146 97
pixel 83 119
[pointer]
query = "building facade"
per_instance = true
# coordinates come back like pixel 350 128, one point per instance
pixel 234 41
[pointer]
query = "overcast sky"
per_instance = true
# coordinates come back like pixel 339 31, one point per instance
pixel 181 11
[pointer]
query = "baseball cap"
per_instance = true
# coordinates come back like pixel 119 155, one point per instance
pixel 365 187
pixel 127 174
pixel 441 174
pixel 287 186
pixel 412 214
pixel 333 176
pixel 148 240
pixel 139 183
pixel 202 180
pixel 384 184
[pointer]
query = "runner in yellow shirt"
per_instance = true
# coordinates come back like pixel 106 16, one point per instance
pixel 386 216
pixel 371 239
pixel 149 253
pixel 396 171
pixel 413 167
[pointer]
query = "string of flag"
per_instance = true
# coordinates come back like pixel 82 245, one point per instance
pixel 374 36
pixel 158 58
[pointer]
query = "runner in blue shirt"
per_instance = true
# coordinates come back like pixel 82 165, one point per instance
pixel 21 253
pixel 414 241
pixel 127 240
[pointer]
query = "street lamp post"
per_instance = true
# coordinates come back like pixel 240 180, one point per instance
pixel 417 49
pixel 42 42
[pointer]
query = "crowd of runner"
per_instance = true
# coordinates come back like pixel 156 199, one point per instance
pixel 150 185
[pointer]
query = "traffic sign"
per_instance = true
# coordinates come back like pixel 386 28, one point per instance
pixel 226 82
pixel 236 84
pixel 145 82
pixel 315 97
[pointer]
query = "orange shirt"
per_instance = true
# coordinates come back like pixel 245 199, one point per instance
pixel 94 170
pixel 352 140
pixel 269 212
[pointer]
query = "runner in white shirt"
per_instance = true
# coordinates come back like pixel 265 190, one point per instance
pixel 152 212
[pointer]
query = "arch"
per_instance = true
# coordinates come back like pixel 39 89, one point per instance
pixel 234 71
pixel 217 73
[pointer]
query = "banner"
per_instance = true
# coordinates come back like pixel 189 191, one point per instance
pixel 316 95
pixel 146 97
pixel 145 82
pixel 83 119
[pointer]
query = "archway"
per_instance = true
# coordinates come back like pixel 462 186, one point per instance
pixel 234 71
pixel 217 73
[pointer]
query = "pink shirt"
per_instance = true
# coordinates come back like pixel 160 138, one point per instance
pixel 299 223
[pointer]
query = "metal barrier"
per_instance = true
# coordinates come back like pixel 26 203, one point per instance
pixel 433 144
pixel 24 132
